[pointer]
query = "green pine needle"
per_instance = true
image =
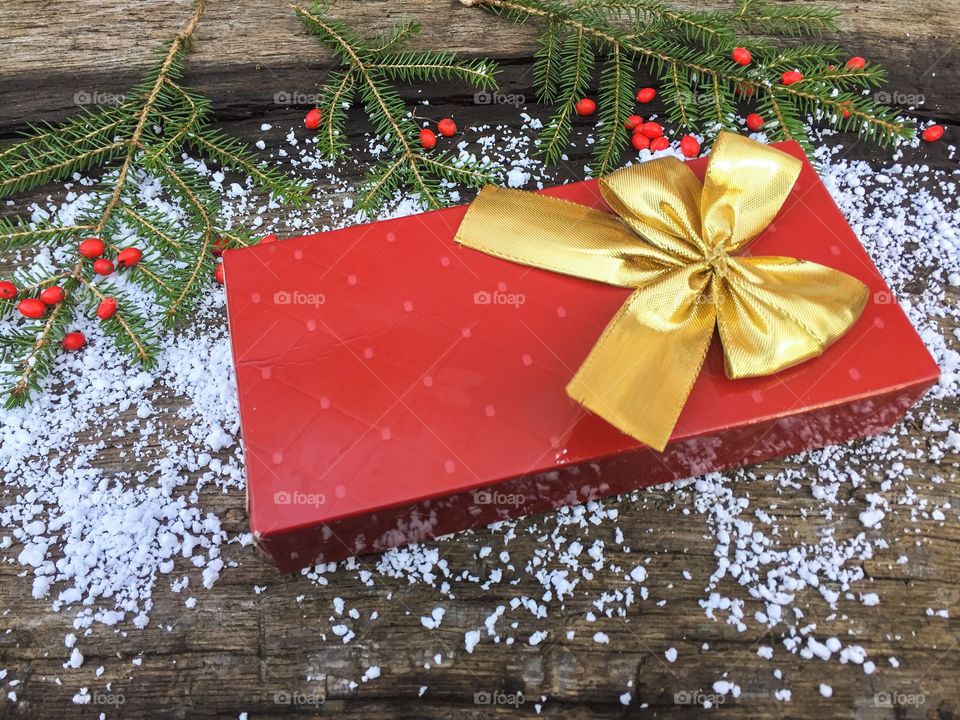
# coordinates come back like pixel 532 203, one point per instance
pixel 145 134
pixel 369 69
pixel 689 51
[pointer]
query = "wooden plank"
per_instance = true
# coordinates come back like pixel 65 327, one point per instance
pixel 56 53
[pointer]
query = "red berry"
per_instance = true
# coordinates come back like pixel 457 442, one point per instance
pixel 791 76
pixel 8 290
pixel 640 141
pixel 447 127
pixel 754 121
pixel 107 308
pixel 102 266
pixel 659 143
pixel 52 295
pixel 312 119
pixel 74 341
pixel 129 257
pixel 92 248
pixel 267 239
pixel 856 63
pixel 428 138
pixel 633 121
pixel 933 133
pixel 585 106
pixel 219 245
pixel 745 89
pixel 32 308
pixel 689 146
pixel 845 111
pixel 652 129
pixel 218 274
pixel 645 95
pixel 741 56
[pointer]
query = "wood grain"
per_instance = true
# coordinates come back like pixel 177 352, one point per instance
pixel 248 50
pixel 238 649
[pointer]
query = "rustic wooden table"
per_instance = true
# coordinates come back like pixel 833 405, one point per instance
pixel 237 648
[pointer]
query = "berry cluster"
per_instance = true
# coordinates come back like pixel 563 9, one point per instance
pixel 645 135
pixel 34 308
pixel 650 135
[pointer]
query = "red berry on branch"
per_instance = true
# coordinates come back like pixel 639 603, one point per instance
pixel 640 141
pixel 652 129
pixel 107 308
pixel 585 106
pixel 689 146
pixel 428 138
pixel 92 248
pixel 102 266
pixel 932 133
pixel 267 239
pixel 312 119
pixel 32 308
pixel 74 341
pixel 8 290
pixel 754 122
pixel 845 109
pixel 741 56
pixel 856 63
pixel 447 127
pixel 52 295
pixel 633 121
pixel 218 274
pixel 791 76
pixel 219 245
pixel 129 257
pixel 645 95
pixel 659 143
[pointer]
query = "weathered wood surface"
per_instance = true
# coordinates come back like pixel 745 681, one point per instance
pixel 237 649
pixel 248 50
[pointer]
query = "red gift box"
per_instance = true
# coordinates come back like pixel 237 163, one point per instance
pixel 395 386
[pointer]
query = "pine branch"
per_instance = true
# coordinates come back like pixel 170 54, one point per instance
pixel 145 136
pixel 616 104
pixel 690 53
pixel 368 69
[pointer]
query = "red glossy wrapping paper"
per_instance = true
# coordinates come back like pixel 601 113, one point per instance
pixel 395 386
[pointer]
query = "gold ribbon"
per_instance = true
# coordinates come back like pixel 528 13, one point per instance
pixel 673 239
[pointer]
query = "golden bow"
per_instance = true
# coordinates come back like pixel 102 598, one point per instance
pixel 672 239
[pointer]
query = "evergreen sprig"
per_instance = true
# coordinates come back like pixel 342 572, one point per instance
pixel 690 53
pixel 144 135
pixel 368 70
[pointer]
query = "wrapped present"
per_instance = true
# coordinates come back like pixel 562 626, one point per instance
pixel 413 377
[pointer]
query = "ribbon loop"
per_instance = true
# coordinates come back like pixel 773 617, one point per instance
pixel 672 240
